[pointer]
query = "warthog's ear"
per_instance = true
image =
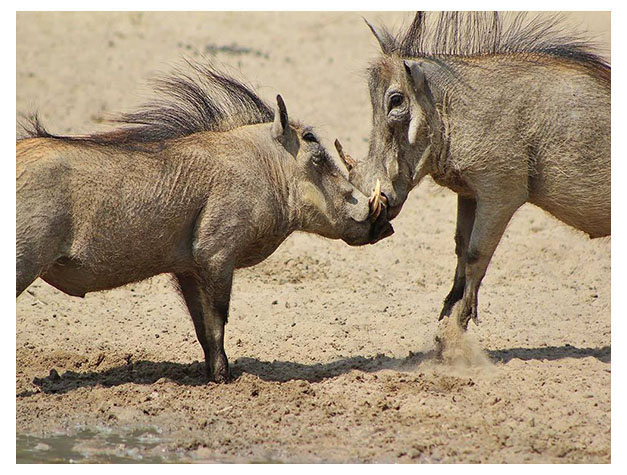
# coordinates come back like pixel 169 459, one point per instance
pixel 385 39
pixel 423 103
pixel 281 122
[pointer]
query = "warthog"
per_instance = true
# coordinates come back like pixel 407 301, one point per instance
pixel 204 181
pixel 502 114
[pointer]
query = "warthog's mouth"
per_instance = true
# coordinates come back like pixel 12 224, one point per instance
pixel 380 231
pixel 378 203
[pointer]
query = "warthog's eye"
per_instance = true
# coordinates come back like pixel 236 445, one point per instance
pixel 395 101
pixel 309 137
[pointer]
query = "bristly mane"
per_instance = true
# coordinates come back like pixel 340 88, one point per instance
pixel 203 99
pixel 485 33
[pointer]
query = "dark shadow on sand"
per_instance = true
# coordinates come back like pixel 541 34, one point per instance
pixel 551 353
pixel 192 374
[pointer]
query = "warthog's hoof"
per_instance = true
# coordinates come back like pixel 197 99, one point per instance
pixel 462 311
pixel 219 371
pixel 465 314
pixel 219 377
pixel 454 296
pixel 446 309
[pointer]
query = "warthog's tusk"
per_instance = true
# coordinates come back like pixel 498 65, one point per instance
pixel 375 201
pixel 384 201
pixel 338 147
pixel 346 158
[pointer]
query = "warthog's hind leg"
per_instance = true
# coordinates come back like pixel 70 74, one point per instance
pixel 465 220
pixel 208 304
pixel 33 257
pixel 491 218
pixel 26 271
pixel 41 236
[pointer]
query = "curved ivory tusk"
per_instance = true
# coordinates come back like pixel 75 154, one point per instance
pixel 346 158
pixel 384 201
pixel 375 201
pixel 375 212
pixel 338 147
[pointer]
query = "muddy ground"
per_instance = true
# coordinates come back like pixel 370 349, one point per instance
pixel 331 346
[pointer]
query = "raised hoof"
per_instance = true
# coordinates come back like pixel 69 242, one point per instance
pixel 451 299
pixel 446 310
pixel 465 317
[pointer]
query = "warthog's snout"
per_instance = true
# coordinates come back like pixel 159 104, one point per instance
pixel 380 226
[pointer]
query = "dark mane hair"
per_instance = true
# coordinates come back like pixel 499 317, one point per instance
pixel 468 34
pixel 201 99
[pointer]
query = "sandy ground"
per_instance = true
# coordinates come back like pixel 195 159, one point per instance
pixel 331 346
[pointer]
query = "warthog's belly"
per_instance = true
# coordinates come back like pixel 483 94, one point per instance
pixel 452 181
pixel 75 279
pixel 258 251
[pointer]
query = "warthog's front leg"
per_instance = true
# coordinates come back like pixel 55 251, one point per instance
pixel 208 302
pixel 465 220
pixel 491 218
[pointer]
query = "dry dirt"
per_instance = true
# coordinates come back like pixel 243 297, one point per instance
pixel 332 347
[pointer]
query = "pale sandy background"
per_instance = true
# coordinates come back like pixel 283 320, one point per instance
pixel 331 345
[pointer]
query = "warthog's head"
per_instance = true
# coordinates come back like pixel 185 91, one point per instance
pixel 326 202
pixel 403 122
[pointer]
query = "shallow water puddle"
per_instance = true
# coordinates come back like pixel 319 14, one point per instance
pixel 92 446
